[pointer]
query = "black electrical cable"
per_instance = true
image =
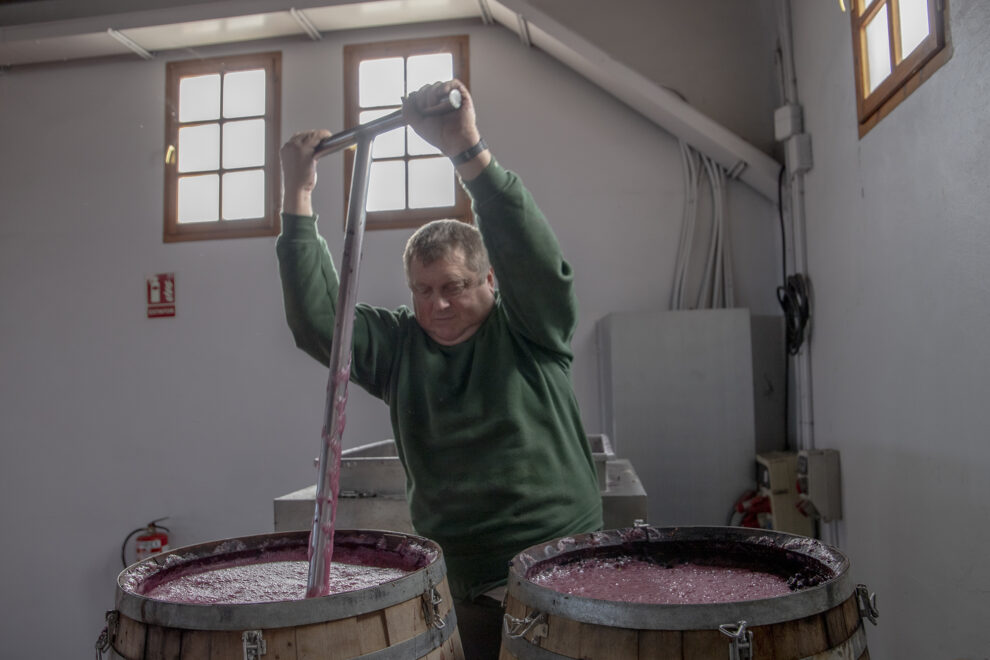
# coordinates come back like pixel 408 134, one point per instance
pixel 123 546
pixel 783 273
pixel 793 297
pixel 794 325
pixel 793 292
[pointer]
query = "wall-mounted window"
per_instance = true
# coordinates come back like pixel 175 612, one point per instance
pixel 222 132
pixel 411 182
pixel 897 45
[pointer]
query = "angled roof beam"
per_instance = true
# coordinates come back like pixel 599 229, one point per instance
pixel 740 159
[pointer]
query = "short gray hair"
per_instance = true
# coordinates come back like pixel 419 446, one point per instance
pixel 436 240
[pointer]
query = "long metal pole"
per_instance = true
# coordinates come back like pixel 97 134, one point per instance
pixel 327 486
pixel 321 536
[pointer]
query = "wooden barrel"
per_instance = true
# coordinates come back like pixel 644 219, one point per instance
pixel 409 617
pixel 821 622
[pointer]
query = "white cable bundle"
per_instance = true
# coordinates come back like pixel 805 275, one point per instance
pixel 689 161
pixel 717 288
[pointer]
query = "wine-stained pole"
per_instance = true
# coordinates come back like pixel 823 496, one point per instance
pixel 328 481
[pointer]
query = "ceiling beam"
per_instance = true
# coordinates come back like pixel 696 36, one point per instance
pixel 130 44
pixel 305 24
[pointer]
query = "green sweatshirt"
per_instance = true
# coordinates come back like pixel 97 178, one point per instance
pixel 488 430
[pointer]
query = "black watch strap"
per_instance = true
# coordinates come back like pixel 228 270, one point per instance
pixel 469 153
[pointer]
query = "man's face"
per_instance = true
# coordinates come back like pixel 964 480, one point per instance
pixel 450 301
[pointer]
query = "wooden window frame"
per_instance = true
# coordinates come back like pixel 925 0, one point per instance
pixel 270 224
pixel 458 46
pixel 906 74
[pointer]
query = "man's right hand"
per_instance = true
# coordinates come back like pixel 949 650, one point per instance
pixel 299 171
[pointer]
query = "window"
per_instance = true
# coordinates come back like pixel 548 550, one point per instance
pixel 897 45
pixel 410 182
pixel 221 140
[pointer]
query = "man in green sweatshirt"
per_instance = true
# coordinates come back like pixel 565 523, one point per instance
pixel 477 378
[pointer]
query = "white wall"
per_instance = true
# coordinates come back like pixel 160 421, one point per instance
pixel 109 419
pixel 897 252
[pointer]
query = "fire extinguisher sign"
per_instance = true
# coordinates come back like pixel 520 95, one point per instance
pixel 161 295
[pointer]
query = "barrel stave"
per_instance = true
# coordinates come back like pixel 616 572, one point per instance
pixel 162 643
pixel 564 635
pixel 660 644
pixel 129 641
pixel 281 643
pixel 800 638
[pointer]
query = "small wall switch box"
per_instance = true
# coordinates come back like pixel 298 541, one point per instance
pixel 788 120
pixel 797 153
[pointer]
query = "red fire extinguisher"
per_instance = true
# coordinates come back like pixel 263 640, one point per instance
pixel 152 539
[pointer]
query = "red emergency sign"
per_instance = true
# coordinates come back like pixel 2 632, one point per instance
pixel 161 295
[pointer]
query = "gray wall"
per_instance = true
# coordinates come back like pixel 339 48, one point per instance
pixel 897 252
pixel 109 419
pixel 718 55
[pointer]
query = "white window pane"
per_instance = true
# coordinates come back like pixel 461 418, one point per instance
pixel 244 143
pixel 199 198
pixel 877 49
pixel 199 148
pixel 431 183
pixel 425 69
pixel 244 93
pixel 199 98
pixel 387 186
pixel 387 145
pixel 244 195
pixel 418 146
pixel 380 82
pixel 914 24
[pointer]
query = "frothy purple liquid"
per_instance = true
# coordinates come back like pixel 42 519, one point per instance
pixel 265 582
pixel 631 580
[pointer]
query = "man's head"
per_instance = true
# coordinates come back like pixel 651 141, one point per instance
pixel 452 283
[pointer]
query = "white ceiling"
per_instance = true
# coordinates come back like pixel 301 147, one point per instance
pixel 40 31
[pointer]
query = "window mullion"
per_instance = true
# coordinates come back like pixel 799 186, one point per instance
pixel 223 77
pixel 936 19
pixel 894 30
pixel 868 6
pixel 405 133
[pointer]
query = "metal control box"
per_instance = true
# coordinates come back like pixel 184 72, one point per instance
pixel 819 483
pixel 776 476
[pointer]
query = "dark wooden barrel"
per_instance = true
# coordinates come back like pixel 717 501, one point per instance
pixel 410 617
pixel 821 622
